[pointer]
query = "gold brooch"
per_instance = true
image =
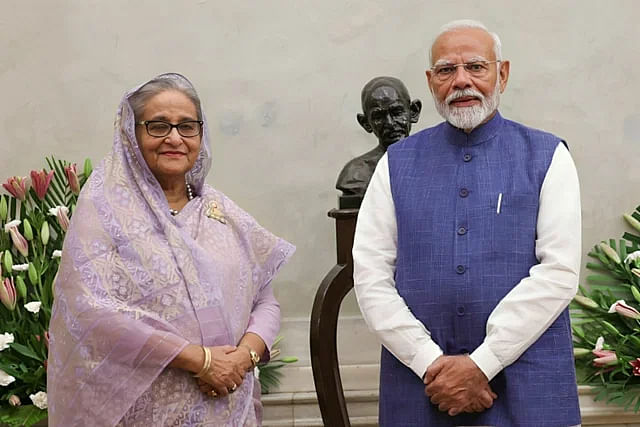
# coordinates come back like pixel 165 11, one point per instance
pixel 214 213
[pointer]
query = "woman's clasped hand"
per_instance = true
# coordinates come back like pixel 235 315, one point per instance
pixel 226 372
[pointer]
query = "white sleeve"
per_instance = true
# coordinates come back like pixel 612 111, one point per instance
pixel 533 305
pixel 374 264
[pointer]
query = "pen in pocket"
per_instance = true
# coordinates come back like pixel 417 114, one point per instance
pixel 499 203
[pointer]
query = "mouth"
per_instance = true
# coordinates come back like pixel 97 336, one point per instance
pixel 175 154
pixel 465 101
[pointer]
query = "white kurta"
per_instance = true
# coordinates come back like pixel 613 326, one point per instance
pixel 520 317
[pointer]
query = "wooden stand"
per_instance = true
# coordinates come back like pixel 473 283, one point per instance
pixel 324 321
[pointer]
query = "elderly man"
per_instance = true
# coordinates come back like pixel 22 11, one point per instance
pixel 466 255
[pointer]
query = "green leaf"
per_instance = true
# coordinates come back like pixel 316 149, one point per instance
pixel 25 351
pixel 25 415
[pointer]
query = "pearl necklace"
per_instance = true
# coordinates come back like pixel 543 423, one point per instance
pixel 189 197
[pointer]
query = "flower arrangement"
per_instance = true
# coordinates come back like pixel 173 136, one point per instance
pixel 34 217
pixel 606 320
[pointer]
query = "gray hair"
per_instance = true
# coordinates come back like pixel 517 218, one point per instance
pixel 468 23
pixel 139 98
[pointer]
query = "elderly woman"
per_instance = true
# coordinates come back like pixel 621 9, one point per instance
pixel 163 303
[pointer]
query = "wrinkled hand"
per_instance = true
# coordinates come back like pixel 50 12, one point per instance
pixel 456 384
pixel 226 372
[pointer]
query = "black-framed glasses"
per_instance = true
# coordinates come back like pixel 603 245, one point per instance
pixel 160 128
pixel 475 68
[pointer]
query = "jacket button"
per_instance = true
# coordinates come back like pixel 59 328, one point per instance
pixel 460 310
pixel 464 192
pixel 467 157
pixel 462 231
pixel 461 269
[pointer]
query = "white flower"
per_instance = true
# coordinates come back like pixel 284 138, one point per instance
pixel 11 224
pixel 20 267
pixel 5 379
pixel 33 306
pixel 5 340
pixel 56 210
pixel 632 257
pixel 56 254
pixel 256 372
pixel 39 399
pixel 599 343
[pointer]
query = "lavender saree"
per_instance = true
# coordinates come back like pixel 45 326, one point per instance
pixel 136 285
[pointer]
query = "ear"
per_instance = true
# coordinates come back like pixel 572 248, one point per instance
pixel 364 122
pixel 415 107
pixel 504 75
pixel 428 73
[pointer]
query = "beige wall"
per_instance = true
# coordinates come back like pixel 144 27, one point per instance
pixel 280 82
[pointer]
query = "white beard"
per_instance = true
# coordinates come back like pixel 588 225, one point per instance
pixel 468 118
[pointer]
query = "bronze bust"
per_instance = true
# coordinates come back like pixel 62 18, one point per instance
pixel 387 112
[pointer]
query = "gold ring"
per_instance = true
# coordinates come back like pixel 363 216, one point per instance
pixel 232 389
pixel 213 393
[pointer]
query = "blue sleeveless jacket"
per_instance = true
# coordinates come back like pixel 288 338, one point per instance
pixel 457 258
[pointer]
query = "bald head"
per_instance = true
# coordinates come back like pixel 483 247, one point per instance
pixel 387 110
pixel 377 82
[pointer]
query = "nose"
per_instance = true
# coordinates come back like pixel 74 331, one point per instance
pixel 173 137
pixel 461 78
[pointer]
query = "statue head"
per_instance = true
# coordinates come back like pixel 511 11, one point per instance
pixel 387 110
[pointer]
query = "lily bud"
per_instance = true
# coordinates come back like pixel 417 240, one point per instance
pixel 21 287
pixel 632 221
pixel 28 231
pixel 608 250
pixel 8 293
pixel 18 187
pixel 72 178
pixel 88 168
pixel 4 209
pixel 19 242
pixel 33 274
pixel 635 293
pixel 585 302
pixel 41 180
pixel 62 214
pixel 604 358
pixel 636 271
pixel 624 309
pixel 14 400
pixel 7 261
pixel 610 327
pixel 44 233
pixel 580 352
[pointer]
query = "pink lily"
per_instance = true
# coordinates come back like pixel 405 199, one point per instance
pixel 8 293
pixel 18 187
pixel 604 358
pixel 41 180
pixel 636 366
pixel 18 239
pixel 624 309
pixel 72 178
pixel 62 214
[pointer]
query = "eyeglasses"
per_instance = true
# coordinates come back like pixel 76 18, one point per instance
pixel 159 128
pixel 475 68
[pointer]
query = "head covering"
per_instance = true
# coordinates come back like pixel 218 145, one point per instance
pixel 136 285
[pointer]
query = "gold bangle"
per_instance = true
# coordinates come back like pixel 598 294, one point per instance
pixel 207 363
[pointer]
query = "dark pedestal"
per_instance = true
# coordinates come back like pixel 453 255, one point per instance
pixel 324 321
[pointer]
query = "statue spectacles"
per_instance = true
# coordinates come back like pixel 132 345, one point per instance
pixel 475 68
pixel 159 128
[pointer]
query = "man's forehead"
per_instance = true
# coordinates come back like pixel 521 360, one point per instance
pixel 463 43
